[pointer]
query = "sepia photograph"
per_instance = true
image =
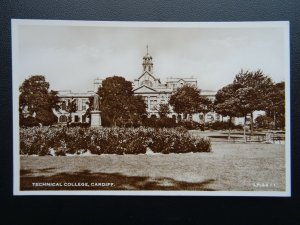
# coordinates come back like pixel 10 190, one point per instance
pixel 151 108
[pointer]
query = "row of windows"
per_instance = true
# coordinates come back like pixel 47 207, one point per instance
pixel 64 119
pixel 153 104
pixel 80 104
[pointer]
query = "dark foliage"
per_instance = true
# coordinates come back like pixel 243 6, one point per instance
pixel 29 121
pixel 76 140
pixel 37 100
pixel 191 125
pixel 118 102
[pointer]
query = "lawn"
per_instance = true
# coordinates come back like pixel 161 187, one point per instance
pixel 229 167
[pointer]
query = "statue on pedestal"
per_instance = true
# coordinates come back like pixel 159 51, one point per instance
pixel 96 102
pixel 95 112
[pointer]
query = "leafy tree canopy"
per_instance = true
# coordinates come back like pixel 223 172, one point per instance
pixel 226 102
pixel 276 99
pixel 186 99
pixel 249 92
pixel 206 105
pixel 118 101
pixel 163 110
pixel 254 87
pixel 36 99
pixel 276 105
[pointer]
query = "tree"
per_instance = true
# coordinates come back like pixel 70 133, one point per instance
pixel 205 106
pixel 276 105
pixel 253 91
pixel 263 121
pixel 186 100
pixel 118 102
pixel 37 101
pixel 227 104
pixel 71 108
pixel 163 110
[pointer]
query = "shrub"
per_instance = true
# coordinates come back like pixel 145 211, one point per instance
pixel 166 122
pixel 149 122
pixel 78 124
pixel 191 125
pixel 29 121
pixel 264 122
pixel 75 140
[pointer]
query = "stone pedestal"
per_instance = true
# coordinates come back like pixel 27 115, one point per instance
pixel 95 119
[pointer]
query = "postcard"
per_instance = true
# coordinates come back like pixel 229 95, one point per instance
pixel 151 108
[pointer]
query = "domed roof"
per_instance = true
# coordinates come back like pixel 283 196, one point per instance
pixel 147 56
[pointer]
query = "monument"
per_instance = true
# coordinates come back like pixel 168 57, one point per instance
pixel 95 112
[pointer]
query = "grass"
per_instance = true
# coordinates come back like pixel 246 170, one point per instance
pixel 229 167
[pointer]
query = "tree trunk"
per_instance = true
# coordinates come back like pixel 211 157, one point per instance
pixel 229 127
pixel 274 120
pixel 251 124
pixel 245 129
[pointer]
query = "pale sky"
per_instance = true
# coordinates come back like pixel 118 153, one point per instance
pixel 71 57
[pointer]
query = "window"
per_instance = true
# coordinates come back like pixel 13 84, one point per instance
pixel 153 104
pixel 145 98
pixel 63 119
pixel 76 118
pixel 83 105
pixel 63 105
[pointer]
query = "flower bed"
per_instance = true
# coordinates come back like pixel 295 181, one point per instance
pixel 76 140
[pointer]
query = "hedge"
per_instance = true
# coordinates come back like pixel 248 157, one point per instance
pixel 76 140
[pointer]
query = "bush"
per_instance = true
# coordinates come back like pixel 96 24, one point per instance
pixel 191 125
pixel 78 124
pixel 264 122
pixel 220 125
pixel 165 122
pixel 76 140
pixel 149 122
pixel 29 121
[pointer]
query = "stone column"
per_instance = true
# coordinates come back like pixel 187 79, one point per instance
pixel 96 118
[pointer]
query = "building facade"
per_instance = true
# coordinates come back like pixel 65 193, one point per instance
pixel 80 101
pixel 154 93
pixel 147 84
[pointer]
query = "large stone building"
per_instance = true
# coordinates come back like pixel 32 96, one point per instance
pixel 155 93
pixel 81 101
pixel 147 84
